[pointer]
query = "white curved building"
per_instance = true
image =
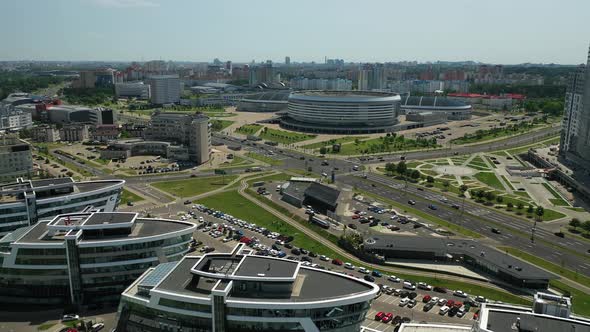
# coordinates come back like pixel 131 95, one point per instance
pixel 342 112
pixel 88 257
pixel 25 202
pixel 239 291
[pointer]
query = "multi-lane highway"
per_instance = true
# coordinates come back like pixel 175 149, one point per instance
pixel 508 143
pixel 476 217
pixel 480 219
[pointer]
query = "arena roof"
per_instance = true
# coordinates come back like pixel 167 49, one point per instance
pixel 425 101
pixel 276 95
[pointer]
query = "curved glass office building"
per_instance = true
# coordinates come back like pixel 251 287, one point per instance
pixel 88 257
pixel 342 112
pixel 25 202
pixel 239 291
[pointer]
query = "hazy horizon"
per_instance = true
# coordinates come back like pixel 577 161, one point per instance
pixel 502 32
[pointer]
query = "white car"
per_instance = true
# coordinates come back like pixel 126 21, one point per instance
pixel 404 301
pixel 425 286
pixel 460 293
pixel 409 285
pixel 348 266
pixel 434 300
pixel 69 318
pixel 442 302
pixel 324 258
pixel 227 239
pixel 443 310
pixel 324 174
pixel 363 270
pixel 393 278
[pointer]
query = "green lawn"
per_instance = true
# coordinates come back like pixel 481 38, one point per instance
pixel 249 129
pixel 329 143
pixel 581 299
pixel 285 137
pixel 485 135
pixel 264 159
pixel 552 215
pixel 376 145
pixel 193 186
pixel 219 125
pixel 127 196
pixel 577 209
pixel 489 179
pixel 236 162
pixel 557 200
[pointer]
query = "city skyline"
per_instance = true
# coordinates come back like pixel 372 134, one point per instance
pixel 142 30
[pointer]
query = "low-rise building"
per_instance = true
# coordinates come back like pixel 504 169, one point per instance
pixel 87 257
pixel 123 149
pixel 240 291
pixel 105 133
pixel 132 90
pixel 45 133
pixel 15 158
pixel 74 133
pixel 13 119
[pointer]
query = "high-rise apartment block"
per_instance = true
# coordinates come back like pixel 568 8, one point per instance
pixel 372 77
pixel 575 137
pixel 164 89
pixel 15 158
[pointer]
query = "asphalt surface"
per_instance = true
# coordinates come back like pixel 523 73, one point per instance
pixel 503 144
pixel 485 220
pixel 486 217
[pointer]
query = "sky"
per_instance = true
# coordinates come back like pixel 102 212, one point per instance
pixel 491 31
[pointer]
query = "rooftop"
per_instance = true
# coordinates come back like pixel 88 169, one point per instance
pixel 413 327
pixel 433 102
pixel 195 276
pixel 111 224
pixel 505 318
pixel 323 193
pixel 507 263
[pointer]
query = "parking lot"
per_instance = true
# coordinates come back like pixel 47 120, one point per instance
pixel 263 244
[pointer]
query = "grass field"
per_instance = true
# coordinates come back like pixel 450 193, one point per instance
pixel 489 179
pixel 509 184
pixel 249 129
pixel 264 159
pixel 193 186
pixel 375 145
pixel 285 137
pixel 341 140
pixel 127 196
pixel 557 200
pixel 580 300
pixel 577 209
pixel 219 125
pixel 583 306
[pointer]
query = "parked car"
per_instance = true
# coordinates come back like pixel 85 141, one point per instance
pixel 412 303
pixel 363 270
pixel 369 278
pixel 336 261
pixel 439 289
pixel 97 327
pixel 387 317
pixel 412 202
pixel 409 285
pixel 426 298
pixel 348 266
pixel 403 302
pixel 393 278
pixel 460 293
pixel 379 315
pixel 70 318
pixel 428 306
pixel 425 286
pixel 443 310
pixel 376 274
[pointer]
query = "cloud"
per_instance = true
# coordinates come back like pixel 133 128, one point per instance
pixel 126 3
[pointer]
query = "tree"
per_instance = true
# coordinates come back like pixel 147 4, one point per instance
pixel 402 168
pixel 429 179
pixel 586 226
pixel 480 194
pixel 323 150
pixel 540 212
pixel 446 184
pixel 575 223
pixel 490 196
pixel 463 188
pixel 530 209
pixel 510 205
pixel 499 199
pixel 390 168
pixel 69 173
pixel 415 174
pixel 520 206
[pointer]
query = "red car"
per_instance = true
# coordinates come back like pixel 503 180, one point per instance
pixel 450 303
pixel 458 304
pixel 476 314
pixel 387 318
pixel 379 315
pixel 336 261
pixel 426 298
pixel 355 216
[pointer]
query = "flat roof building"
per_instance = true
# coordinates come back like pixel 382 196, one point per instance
pixel 88 257
pixel 239 291
pixel 24 202
pixel 164 89
pixel 468 252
